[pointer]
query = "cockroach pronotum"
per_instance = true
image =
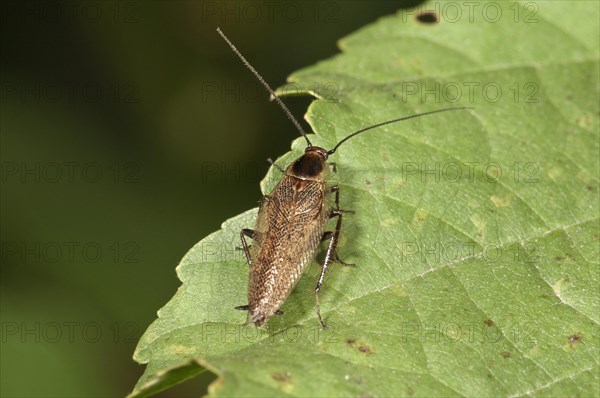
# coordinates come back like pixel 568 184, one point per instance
pixel 291 222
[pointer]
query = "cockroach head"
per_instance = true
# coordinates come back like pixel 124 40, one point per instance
pixel 311 164
pixel 317 150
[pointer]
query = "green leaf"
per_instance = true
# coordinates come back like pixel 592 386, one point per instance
pixel 476 233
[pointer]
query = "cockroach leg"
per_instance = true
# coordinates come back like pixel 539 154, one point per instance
pixel 329 256
pixel 278 167
pixel 333 166
pixel 326 236
pixel 263 201
pixel 339 260
pixel 247 307
pixel 248 232
pixel 246 247
pixel 331 248
pixel 336 190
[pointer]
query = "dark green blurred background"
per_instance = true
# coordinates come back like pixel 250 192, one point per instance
pixel 130 131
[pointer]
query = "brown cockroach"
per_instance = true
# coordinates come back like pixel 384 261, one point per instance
pixel 291 222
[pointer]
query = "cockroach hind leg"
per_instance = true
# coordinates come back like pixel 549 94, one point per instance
pixel 278 312
pixel 330 254
pixel 326 236
pixel 319 308
pixel 337 259
pixel 242 307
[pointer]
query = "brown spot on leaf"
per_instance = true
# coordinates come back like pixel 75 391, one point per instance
pixel 574 340
pixel 360 346
pixel 410 391
pixel 489 322
pixel 505 354
pixel 427 17
pixel 283 378
pixel 559 258
pixel 367 182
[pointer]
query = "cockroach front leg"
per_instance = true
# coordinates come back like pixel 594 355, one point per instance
pixel 331 254
pixel 278 167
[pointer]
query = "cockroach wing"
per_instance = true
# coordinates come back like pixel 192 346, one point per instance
pixel 289 227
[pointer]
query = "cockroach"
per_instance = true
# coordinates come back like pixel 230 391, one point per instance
pixel 291 221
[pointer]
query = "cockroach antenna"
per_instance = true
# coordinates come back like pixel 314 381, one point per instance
pixel 297 124
pixel 331 151
pixel 266 85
